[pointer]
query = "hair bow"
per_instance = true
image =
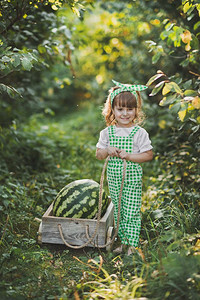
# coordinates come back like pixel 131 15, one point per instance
pixel 126 88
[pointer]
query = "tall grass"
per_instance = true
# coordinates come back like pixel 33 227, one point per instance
pixel 37 160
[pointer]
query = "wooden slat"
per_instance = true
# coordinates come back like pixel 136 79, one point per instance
pixel 74 229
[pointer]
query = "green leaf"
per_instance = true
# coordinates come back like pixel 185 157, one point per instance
pixel 11 91
pixel 195 128
pixel 2 66
pixel 185 63
pixel 28 33
pixel 187 84
pixel 76 11
pixel 164 35
pixel 3 87
pixel 175 107
pixel 16 61
pixel 196 25
pixel 169 26
pixel 168 100
pixel 42 49
pixel 157 88
pixel 156 57
pixel 182 112
pixel 27 65
pixel 191 93
pixel 5 58
pixel 154 78
pixel 176 87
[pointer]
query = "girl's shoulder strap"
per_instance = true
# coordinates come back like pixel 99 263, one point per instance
pixel 111 130
pixel 135 129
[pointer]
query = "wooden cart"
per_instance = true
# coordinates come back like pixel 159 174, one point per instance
pixel 76 231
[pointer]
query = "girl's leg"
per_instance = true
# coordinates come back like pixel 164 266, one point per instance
pixel 131 217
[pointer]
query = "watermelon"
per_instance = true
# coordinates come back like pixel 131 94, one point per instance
pixel 79 199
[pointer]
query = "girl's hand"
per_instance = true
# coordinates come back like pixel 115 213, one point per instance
pixel 123 154
pixel 113 151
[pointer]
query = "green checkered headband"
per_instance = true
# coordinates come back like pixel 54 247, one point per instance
pixel 126 88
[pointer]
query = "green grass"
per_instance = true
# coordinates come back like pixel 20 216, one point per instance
pixel 37 160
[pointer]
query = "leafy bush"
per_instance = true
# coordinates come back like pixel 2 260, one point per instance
pixel 49 149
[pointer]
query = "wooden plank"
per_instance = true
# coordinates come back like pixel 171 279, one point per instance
pixel 49 211
pixel 110 219
pixel 74 234
pixel 74 230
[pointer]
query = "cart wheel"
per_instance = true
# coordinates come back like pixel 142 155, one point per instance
pixel 40 234
pixel 109 237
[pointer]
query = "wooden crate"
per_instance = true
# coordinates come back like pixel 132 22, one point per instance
pixel 74 229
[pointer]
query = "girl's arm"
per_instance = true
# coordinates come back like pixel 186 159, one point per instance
pixel 137 157
pixel 103 153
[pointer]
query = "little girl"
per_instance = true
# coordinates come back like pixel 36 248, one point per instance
pixel 123 139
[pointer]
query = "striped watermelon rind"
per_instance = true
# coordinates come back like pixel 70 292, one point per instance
pixel 79 199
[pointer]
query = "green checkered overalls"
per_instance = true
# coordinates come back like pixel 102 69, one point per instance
pixel 130 219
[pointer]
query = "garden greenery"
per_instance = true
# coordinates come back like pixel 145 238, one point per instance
pixel 57 60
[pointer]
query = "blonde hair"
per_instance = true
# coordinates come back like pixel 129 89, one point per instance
pixel 124 99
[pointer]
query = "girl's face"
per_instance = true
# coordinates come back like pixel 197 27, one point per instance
pixel 124 116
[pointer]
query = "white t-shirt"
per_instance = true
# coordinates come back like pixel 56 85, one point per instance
pixel 141 141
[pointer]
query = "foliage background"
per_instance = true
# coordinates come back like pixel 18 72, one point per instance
pixel 57 60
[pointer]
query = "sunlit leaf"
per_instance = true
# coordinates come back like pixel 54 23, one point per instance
pixel 196 102
pixel 196 25
pixel 176 88
pixel 171 87
pixel 42 49
pixel 187 47
pixel 150 43
pixel 186 7
pixel 169 26
pixel 198 8
pixel 182 114
pixel 190 107
pixel 167 88
pixel 76 11
pixel 154 78
pixel 54 7
pixel 190 93
pixel 157 88
pixel 162 124
pixel 186 37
